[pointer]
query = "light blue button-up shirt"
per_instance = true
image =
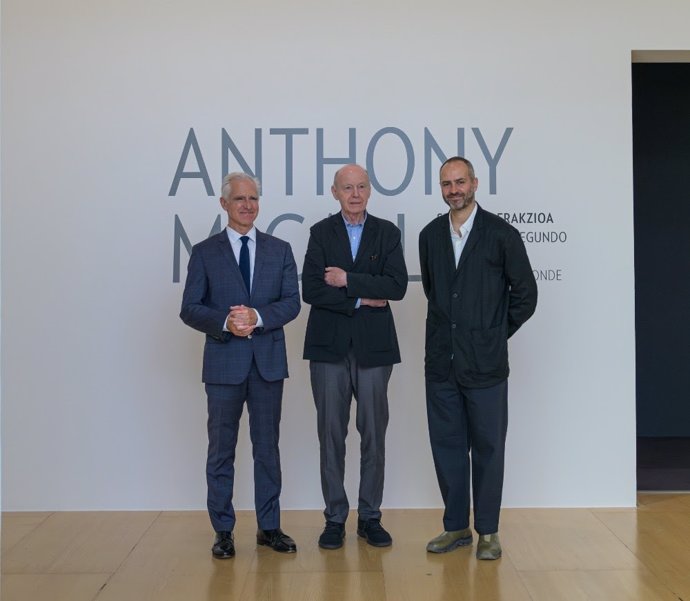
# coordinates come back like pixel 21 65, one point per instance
pixel 354 234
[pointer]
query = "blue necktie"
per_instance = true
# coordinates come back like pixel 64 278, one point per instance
pixel 244 262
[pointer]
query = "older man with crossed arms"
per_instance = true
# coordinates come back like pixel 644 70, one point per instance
pixel 353 267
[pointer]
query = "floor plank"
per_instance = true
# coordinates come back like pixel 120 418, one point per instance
pixel 457 575
pixel 15 526
pixel 51 587
pixel 173 562
pixel 663 502
pixel 562 539
pixel 596 585
pixel 315 586
pixel 660 540
pixel 629 554
pixel 78 542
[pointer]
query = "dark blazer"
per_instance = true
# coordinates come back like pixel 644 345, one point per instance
pixel 473 309
pixel 214 284
pixel 377 272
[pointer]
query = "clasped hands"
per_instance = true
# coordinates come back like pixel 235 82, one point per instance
pixel 336 277
pixel 241 321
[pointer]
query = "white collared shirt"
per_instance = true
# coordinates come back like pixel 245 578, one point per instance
pixel 459 239
pixel 236 244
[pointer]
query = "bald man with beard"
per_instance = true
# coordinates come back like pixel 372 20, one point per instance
pixel 480 289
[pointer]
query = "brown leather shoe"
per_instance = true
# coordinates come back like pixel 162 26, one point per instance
pixel 276 539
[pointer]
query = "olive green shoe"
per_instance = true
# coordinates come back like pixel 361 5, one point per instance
pixel 447 541
pixel 489 547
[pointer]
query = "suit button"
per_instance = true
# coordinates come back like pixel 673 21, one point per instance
pixel 249 337
pixel 455 295
pixel 453 326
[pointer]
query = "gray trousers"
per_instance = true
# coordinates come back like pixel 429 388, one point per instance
pixel 333 386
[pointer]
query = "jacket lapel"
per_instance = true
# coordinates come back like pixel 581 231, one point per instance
pixel 366 244
pixel 226 249
pixel 259 257
pixel 229 255
pixel 343 242
pixel 443 236
pixel 473 239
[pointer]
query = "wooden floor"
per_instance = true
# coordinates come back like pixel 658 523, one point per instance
pixel 548 555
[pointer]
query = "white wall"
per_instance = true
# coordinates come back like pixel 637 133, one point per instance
pixel 102 402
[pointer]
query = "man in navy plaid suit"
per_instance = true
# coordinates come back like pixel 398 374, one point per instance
pixel 241 290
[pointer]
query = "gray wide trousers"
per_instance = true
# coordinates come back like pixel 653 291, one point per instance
pixel 333 385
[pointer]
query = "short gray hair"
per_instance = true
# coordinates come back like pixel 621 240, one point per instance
pixel 226 187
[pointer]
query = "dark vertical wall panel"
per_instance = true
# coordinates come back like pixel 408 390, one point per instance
pixel 661 149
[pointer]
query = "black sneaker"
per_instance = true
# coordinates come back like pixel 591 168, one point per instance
pixel 374 533
pixel 332 536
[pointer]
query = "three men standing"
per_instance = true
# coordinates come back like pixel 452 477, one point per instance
pixel 480 289
pixel 353 266
pixel 242 289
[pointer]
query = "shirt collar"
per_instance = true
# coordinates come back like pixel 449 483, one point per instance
pixel 234 236
pixel 348 224
pixel 466 227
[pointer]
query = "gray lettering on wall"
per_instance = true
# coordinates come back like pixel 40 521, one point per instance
pixel 191 144
pixel 432 152
pixel 409 169
pixel 180 236
pixel 492 161
pixel 401 227
pixel 321 160
pixel 228 144
pixel 431 144
pixel 284 217
pixel 288 132
pixel 548 275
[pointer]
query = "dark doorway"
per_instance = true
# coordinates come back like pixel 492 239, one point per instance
pixel 661 166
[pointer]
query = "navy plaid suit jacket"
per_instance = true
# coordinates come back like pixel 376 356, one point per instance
pixel 214 284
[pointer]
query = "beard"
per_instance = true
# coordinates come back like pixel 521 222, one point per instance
pixel 458 202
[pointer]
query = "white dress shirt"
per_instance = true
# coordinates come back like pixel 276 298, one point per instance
pixel 459 238
pixel 236 244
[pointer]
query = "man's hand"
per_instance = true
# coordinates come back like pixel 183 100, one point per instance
pixel 373 302
pixel 241 321
pixel 335 277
